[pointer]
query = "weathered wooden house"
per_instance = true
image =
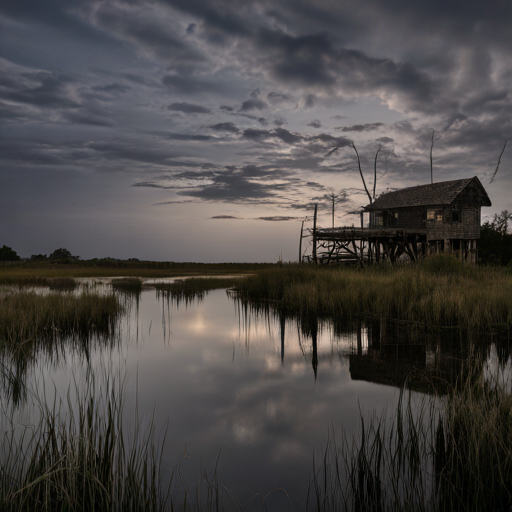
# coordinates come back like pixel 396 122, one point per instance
pixel 414 222
pixel 447 213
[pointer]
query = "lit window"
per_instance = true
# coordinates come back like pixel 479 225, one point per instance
pixel 431 215
pixel 439 216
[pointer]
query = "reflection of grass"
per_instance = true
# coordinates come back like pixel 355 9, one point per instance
pixel 195 287
pixel 456 457
pixel 433 294
pixel 64 284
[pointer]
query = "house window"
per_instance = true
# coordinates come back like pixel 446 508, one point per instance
pixel 431 215
pixel 456 216
pixel 379 221
pixel 439 216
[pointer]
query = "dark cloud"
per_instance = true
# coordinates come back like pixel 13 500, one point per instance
pixel 41 89
pixel 112 88
pixel 279 121
pixel 309 101
pixel 224 127
pixel 385 140
pixel 279 133
pixel 257 135
pixel 315 123
pixel 368 127
pixel 190 84
pixel 278 98
pixel 188 108
pixel 253 104
pixel 142 25
pixel 286 136
pixel 225 217
pixel 84 117
pixel 185 136
pixel 278 218
pixel 227 108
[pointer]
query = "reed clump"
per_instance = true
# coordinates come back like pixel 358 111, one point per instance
pixel 79 458
pixel 433 293
pixel 452 456
pixel 131 285
pixel 28 316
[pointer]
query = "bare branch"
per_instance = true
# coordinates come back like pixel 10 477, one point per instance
pixel 431 148
pixel 361 172
pixel 375 172
pixel 333 150
pixel 499 160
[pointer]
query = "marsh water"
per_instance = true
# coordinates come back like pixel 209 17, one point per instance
pixel 245 392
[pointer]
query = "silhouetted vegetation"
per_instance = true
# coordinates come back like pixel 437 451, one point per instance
pixel 495 244
pixel 8 254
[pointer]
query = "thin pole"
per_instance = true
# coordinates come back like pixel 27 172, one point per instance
pixel 300 242
pixel 431 167
pixel 333 210
pixel 314 236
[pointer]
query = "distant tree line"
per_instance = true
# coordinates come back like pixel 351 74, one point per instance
pixel 494 248
pixel 7 254
pixel 62 255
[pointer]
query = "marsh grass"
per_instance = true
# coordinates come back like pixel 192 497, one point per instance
pixel 90 453
pixel 27 317
pixel 30 274
pixel 453 454
pixel 130 285
pixel 435 293
pixel 78 457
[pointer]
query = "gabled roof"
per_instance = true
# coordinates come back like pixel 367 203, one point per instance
pixel 435 194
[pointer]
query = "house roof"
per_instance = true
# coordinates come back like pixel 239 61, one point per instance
pixel 435 194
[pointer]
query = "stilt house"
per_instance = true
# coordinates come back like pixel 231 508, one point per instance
pixel 410 223
pixel 445 214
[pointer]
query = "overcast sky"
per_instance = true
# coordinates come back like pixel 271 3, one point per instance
pixel 196 130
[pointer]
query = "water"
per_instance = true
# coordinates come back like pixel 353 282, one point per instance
pixel 251 394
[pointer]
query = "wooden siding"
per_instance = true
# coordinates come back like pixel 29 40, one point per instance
pixel 459 221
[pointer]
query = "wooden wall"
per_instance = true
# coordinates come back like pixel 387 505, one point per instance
pixel 459 221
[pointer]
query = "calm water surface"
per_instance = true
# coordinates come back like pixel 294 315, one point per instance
pixel 220 379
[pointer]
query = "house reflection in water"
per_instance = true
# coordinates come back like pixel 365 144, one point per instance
pixel 396 354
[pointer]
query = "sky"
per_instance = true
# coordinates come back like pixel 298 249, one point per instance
pixel 203 130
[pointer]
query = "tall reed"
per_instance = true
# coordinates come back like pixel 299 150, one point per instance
pixel 78 457
pixel 471 298
pixel 453 454
pixel 29 316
